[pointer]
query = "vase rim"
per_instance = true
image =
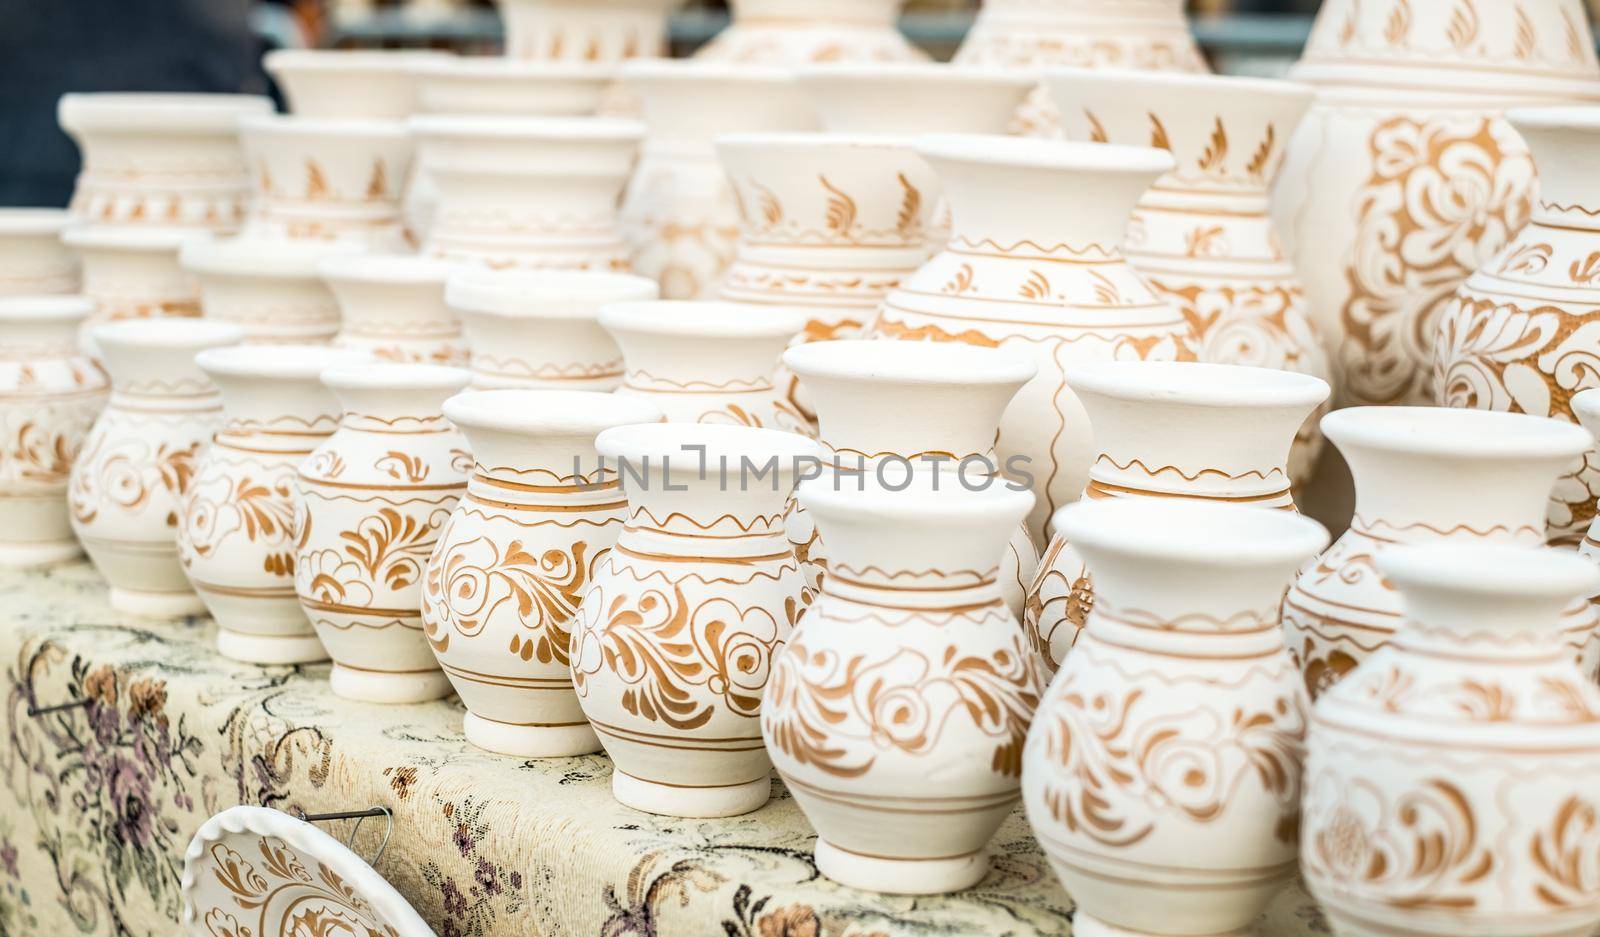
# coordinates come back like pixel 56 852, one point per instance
pixel 920 71
pixel 263 257
pixel 1274 87
pixel 154 238
pixel 387 269
pixel 701 317
pixel 925 497
pixel 278 362
pixel 1558 117
pixel 33 220
pixel 1038 153
pixel 813 140
pixel 909 363
pixel 1191 532
pixel 1489 569
pixel 1449 431
pixel 388 375
pixel 149 111
pixel 693 70
pixel 492 67
pixel 172 332
pixel 500 126
pixel 376 61
pixel 586 413
pixel 45 307
pixel 1196 384
pixel 542 293
pixel 291 125
pixel 709 441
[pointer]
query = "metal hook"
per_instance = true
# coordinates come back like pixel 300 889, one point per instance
pixel 358 816
pixel 36 711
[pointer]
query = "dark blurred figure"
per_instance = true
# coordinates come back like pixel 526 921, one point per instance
pixel 50 47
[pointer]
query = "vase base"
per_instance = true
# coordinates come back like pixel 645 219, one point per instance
pixel 373 686
pixel 524 741
pixel 156 604
pixel 268 650
pixel 1085 926
pixel 901 876
pixel 672 800
pixel 35 555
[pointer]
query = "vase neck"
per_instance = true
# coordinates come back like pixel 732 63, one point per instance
pixel 1569 194
pixel 970 592
pixel 1410 498
pixel 726 516
pixel 1002 206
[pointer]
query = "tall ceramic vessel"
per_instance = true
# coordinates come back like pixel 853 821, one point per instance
pixel 128 482
pixel 50 395
pixel 585 30
pixel 1523 333
pixel 133 273
pixel 830 223
pixel 271 289
pixel 1036 264
pixel 1162 773
pixel 328 180
pixel 1404 178
pixel 372 501
pixel 705 362
pixel 787 33
pixel 513 561
pixel 169 160
pixel 393 305
pixel 235 526
pixel 1028 36
pixel 529 192
pixel 542 330
pixel 1164 431
pixel 1450 779
pixel 907 669
pixel 677 632
pixel 679 215
pixel 1202 235
pixel 1423 475
pixel 33 261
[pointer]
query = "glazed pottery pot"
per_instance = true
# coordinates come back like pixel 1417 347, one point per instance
pixel 908 667
pixel 337 181
pixel 706 362
pixel 1162 774
pixel 50 395
pixel 344 84
pixel 787 33
pixel 1027 36
pixel 372 501
pixel 133 273
pixel 888 411
pixel 676 634
pixel 1450 778
pixel 679 215
pixel 1425 474
pixel 1202 235
pixel 170 160
pixel 33 261
pixel 1035 263
pixel 530 192
pixel 1404 178
pixel 542 329
pixel 1523 333
pixel 1166 431
pixel 236 519
pixel 127 485
pixel 269 288
pixel 393 305
pixel 513 561
pixel 829 224
pixel 585 30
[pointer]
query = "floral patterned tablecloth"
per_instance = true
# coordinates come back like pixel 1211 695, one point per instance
pixel 99 803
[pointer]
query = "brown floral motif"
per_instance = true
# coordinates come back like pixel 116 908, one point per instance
pixel 260 509
pixel 1563 853
pixel 282 898
pixel 120 477
pixel 42 456
pixel 402 467
pixel 391 546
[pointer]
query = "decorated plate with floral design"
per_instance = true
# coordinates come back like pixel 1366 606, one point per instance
pixel 255 872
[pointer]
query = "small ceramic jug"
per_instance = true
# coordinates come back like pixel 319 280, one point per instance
pixel 33 261
pixel 542 329
pixel 676 635
pixel 127 484
pixel 133 273
pixel 896 714
pixel 373 498
pixel 703 362
pixel 1165 430
pixel 236 520
pixel 1425 474
pixel 787 33
pixel 393 305
pixel 1450 781
pixel 1162 773
pixel 50 395
pixel 271 289
pixel 513 561
pixel 891 410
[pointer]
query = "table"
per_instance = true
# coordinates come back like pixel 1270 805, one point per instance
pixel 99 802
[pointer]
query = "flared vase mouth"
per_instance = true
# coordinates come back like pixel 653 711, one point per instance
pixel 384 375
pixel 257 257
pixel 1191 532
pixel 695 71
pixel 687 448
pixel 1233 86
pixel 922 73
pixel 555 128
pixel 909 363
pixel 34 221
pixel 544 293
pixel 548 412
pixel 1567 117
pixel 155 112
pixel 389 269
pixel 497 69
pixel 49 307
pixel 807 141
pixel 712 320
pixel 925 498
pixel 343 61
pixel 1192 384
pixel 1038 153
pixel 176 333
pixel 1490 570
pixel 288 363
pixel 354 128
pixel 1448 431
pixel 152 239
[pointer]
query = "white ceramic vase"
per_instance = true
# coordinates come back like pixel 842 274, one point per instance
pixel 50 394
pixel 585 30
pixel 133 273
pixel 1170 431
pixel 393 305
pixel 372 501
pixel 346 84
pixel 542 329
pixel 33 261
pixel 1035 264
pixel 896 714
pixel 514 560
pixel 1450 778
pixel 1162 775
pixel 169 160
pixel 679 214
pixel 1425 474
pixel 127 484
pixel 271 289
pixel 676 635
pixel 704 362
pixel 787 33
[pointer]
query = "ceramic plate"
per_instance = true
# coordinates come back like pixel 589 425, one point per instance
pixel 254 872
